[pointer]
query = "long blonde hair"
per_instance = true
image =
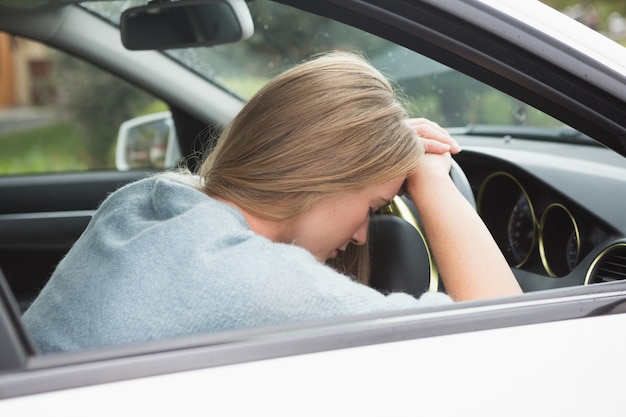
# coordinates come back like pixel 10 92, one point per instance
pixel 331 124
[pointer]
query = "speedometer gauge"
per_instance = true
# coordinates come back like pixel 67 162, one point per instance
pixel 573 250
pixel 559 240
pixel 520 231
pixel 508 213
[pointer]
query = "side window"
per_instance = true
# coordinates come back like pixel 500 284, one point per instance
pixel 61 114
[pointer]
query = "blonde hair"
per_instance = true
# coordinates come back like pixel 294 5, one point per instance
pixel 331 124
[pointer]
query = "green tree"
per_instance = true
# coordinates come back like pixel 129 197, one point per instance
pixel 603 9
pixel 97 103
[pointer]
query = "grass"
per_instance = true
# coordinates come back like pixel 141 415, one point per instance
pixel 53 148
pixel 58 147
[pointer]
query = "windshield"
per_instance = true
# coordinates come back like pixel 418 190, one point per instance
pixel 284 36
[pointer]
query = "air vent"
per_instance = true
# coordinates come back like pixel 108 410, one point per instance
pixel 609 266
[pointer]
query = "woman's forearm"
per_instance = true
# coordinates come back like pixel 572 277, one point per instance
pixel 470 263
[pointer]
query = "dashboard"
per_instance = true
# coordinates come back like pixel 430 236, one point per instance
pixel 556 210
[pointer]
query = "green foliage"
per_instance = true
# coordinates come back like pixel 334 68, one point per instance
pixel 54 148
pixel 98 103
pixel 603 8
pixel 156 106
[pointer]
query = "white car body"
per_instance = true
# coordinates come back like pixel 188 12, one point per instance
pixel 555 352
pixel 513 371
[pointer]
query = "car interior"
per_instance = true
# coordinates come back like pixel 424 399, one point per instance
pixel 541 190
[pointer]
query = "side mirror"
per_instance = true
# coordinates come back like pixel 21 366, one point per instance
pixel 185 23
pixel 147 142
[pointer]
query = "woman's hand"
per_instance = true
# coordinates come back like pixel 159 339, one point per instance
pixel 436 162
pixel 434 138
pixel 469 261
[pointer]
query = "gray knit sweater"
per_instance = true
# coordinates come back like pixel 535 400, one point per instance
pixel 161 259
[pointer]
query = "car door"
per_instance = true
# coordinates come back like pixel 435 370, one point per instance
pixel 447 359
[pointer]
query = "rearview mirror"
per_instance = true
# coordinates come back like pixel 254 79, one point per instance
pixel 185 23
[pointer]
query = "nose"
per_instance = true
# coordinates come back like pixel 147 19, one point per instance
pixel 360 236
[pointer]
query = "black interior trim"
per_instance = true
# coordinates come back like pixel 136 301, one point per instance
pixel 15 344
pixel 195 137
pixel 399 257
pixel 61 192
pixel 41 216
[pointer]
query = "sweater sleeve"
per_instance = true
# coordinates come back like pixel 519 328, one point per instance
pixel 161 260
pixel 294 286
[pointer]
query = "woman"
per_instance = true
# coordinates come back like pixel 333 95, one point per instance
pixel 290 186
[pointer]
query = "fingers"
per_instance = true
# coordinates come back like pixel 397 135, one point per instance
pixel 438 147
pixel 435 138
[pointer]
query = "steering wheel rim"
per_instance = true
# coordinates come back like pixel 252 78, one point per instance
pixel 401 207
pixel 462 183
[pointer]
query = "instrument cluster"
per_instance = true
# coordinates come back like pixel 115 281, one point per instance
pixel 535 229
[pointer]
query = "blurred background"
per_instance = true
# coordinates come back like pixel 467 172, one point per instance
pixel 59 114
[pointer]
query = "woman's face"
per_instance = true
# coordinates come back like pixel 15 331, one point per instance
pixel 339 220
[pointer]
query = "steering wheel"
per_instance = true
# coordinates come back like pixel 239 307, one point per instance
pixel 401 258
pixel 462 183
